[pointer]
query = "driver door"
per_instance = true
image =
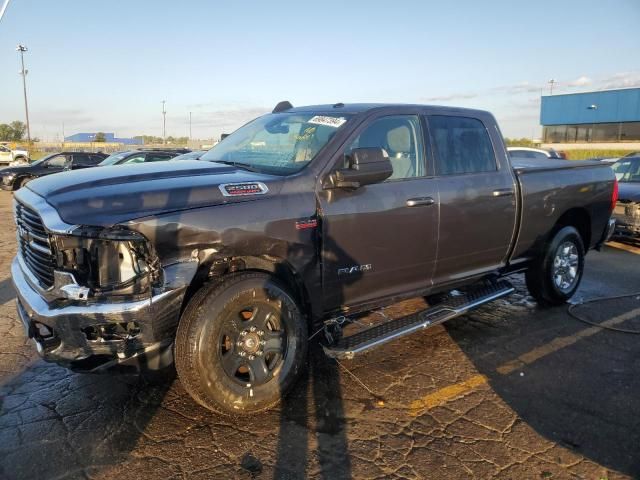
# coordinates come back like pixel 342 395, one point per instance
pixel 380 240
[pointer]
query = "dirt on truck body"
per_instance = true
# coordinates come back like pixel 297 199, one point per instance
pixel 302 217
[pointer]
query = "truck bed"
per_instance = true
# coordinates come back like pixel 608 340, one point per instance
pixel 550 189
pixel 533 165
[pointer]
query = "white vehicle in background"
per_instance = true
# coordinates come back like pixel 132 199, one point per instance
pixel 527 153
pixel 12 157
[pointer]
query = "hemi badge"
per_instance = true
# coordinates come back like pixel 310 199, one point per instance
pixel 246 188
pixel 308 223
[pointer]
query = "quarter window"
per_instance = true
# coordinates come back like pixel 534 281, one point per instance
pixel 401 138
pixel 462 145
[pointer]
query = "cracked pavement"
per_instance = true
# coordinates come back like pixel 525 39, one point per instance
pixel 432 405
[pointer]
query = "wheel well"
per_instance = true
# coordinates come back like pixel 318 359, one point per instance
pixel 281 270
pixel 579 219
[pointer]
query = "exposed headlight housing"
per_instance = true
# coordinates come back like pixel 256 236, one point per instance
pixel 118 262
pixel 8 178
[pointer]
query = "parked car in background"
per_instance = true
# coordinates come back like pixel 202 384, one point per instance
pixel 627 211
pixel 142 156
pixel 7 156
pixel 526 153
pixel 15 177
pixel 301 216
pixel 616 159
pixel 195 155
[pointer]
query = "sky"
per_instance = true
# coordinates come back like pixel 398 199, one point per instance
pixel 107 65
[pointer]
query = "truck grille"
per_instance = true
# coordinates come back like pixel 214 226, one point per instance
pixel 34 245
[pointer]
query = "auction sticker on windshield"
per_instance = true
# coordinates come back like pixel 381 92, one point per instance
pixel 335 122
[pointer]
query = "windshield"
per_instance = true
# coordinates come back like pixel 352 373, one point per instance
pixel 280 143
pixel 627 170
pixel 113 159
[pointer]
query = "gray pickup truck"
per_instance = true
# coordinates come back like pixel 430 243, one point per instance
pixel 299 218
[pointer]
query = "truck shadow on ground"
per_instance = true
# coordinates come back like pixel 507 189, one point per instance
pixel 54 422
pixel 6 291
pixel 581 394
pixel 319 391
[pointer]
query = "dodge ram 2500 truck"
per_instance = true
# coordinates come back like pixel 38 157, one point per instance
pixel 300 217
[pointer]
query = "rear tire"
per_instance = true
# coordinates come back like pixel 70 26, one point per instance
pixel 555 275
pixel 241 344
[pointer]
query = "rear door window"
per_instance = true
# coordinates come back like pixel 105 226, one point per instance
pixel 81 159
pixel 462 145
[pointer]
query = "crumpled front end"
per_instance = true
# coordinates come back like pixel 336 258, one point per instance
pixel 627 215
pixel 92 298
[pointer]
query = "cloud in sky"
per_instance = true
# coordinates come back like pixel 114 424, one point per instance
pixel 621 80
pixel 453 96
pixel 582 81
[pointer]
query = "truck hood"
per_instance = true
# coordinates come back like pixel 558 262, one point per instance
pixel 629 191
pixel 106 196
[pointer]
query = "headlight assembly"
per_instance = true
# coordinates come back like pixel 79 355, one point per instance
pixel 8 178
pixel 108 261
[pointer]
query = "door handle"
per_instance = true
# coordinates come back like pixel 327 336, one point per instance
pixel 503 192
pixel 420 201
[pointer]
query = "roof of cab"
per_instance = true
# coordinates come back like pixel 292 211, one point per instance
pixel 363 107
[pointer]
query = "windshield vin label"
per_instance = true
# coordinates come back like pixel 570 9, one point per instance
pixel 246 188
pixel 335 122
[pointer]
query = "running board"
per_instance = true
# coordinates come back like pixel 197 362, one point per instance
pixel 347 347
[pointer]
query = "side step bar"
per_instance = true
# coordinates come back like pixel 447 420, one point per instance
pixel 347 347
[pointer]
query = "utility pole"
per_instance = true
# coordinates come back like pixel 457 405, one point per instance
pixel 189 125
pixel 23 72
pixel 551 83
pixel 164 123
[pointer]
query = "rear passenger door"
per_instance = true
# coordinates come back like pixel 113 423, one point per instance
pixel 477 197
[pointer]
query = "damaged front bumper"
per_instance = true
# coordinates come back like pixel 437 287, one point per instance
pixel 96 335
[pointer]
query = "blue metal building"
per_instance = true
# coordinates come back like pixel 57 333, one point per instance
pixel 109 138
pixel 605 116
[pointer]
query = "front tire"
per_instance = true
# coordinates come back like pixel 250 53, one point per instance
pixel 241 344
pixel 555 275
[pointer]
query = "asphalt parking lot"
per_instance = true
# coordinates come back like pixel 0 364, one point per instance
pixel 510 391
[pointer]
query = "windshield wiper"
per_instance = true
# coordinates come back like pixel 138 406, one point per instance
pixel 244 166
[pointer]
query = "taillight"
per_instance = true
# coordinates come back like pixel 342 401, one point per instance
pixel 614 195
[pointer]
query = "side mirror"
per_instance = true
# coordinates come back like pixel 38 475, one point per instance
pixel 366 166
